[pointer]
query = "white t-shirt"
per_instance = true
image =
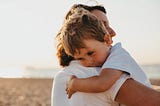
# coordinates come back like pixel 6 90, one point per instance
pixel 59 97
pixel 120 59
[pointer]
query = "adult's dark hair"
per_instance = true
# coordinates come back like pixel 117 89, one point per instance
pixel 63 57
pixel 89 8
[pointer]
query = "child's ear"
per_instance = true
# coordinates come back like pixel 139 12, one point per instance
pixel 108 39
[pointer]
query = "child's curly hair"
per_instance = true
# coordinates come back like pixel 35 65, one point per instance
pixel 79 26
pixel 63 57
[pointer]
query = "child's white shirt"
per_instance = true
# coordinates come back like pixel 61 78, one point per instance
pixel 120 59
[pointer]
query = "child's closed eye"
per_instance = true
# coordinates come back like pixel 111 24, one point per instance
pixel 90 53
pixel 80 59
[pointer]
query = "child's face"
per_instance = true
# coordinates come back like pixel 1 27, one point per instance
pixel 94 54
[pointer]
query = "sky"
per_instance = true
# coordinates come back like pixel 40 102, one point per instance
pixel 28 29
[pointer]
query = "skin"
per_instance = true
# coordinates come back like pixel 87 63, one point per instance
pixel 94 54
pixel 133 93
pixel 102 16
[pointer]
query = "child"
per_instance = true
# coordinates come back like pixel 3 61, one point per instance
pixel 87 40
pixel 100 12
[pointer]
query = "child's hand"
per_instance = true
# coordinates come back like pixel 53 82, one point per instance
pixel 69 87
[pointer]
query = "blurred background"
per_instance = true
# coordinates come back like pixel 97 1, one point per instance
pixel 28 29
pixel 27 40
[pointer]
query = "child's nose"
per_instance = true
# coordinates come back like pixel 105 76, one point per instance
pixel 90 61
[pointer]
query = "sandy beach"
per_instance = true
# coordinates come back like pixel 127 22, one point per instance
pixel 25 92
pixel 30 92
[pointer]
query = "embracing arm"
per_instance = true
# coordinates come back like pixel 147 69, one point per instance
pixel 95 84
pixel 133 93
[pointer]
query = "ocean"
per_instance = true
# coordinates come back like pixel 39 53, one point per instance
pixel 152 71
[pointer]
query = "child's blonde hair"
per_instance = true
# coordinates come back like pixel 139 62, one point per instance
pixel 79 26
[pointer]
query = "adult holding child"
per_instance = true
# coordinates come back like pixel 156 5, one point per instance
pixel 117 92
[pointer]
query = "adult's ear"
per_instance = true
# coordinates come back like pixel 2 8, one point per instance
pixel 108 39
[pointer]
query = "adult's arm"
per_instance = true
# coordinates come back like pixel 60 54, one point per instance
pixel 133 93
pixel 58 96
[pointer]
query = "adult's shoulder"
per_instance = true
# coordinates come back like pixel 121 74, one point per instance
pixel 60 75
pixel 66 70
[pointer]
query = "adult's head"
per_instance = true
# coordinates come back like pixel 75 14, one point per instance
pixel 100 12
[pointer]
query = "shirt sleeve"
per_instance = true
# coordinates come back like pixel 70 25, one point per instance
pixel 121 60
pixel 113 91
pixel 59 96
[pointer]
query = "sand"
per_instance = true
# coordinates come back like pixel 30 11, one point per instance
pixel 25 92
pixel 30 92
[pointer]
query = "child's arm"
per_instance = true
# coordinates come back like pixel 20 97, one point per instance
pixel 94 84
